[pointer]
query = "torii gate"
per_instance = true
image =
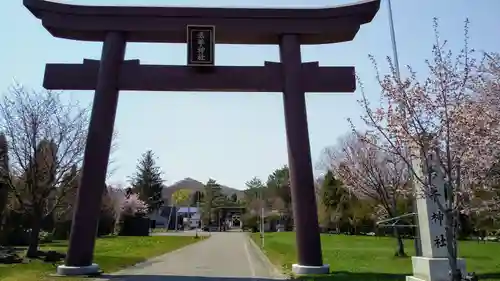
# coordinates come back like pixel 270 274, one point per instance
pixel 115 26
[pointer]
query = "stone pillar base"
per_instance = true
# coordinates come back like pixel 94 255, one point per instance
pixel 433 269
pixel 306 269
pixel 65 270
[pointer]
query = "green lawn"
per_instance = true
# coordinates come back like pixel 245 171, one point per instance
pixel 111 253
pixel 366 258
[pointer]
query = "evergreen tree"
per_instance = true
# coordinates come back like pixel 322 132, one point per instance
pixel 196 197
pixel 213 198
pixel 254 189
pixel 234 198
pixel 278 186
pixel 335 199
pixel 147 182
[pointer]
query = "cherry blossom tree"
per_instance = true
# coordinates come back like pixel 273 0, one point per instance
pixel 369 172
pixel 132 206
pixel 116 198
pixel 443 114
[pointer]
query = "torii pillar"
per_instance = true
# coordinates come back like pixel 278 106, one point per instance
pixel 115 26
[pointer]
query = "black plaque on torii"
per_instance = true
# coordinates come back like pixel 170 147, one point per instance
pixel 200 45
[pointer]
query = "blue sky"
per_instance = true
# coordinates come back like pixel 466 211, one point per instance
pixel 232 137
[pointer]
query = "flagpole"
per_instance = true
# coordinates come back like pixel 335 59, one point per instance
pixel 418 248
pixel 393 39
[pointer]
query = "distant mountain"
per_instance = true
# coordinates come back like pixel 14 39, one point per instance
pixel 194 185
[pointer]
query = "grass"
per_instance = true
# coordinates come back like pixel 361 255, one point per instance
pixel 367 258
pixel 111 253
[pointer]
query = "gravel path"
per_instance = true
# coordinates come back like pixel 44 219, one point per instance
pixel 224 256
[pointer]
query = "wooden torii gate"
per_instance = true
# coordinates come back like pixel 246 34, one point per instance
pixel 115 26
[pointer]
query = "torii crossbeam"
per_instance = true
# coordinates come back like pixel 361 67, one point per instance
pixel 115 26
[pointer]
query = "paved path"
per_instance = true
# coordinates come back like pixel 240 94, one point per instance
pixel 224 256
pixel 181 233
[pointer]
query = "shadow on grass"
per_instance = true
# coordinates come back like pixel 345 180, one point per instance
pixel 354 276
pixel 117 263
pixel 109 236
pixel 489 275
pixel 15 249
pixel 152 277
pixel 335 276
pixel 374 276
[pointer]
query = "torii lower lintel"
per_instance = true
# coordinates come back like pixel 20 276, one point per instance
pixel 137 77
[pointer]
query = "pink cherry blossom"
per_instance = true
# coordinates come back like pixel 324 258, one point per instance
pixel 455 109
pixel 133 205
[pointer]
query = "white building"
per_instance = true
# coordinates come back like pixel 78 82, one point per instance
pixel 192 216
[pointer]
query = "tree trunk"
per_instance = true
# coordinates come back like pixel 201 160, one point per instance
pixel 456 275
pixel 33 239
pixel 176 219
pixel 4 196
pixel 169 218
pixel 400 252
pixel 189 216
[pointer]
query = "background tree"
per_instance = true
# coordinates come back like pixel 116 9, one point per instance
pixel 71 180
pixel 441 114
pixel 361 215
pixel 253 202
pixel 179 197
pixel 255 188
pixel 115 196
pixel 278 186
pixel 4 181
pixel 335 199
pixel 372 173
pixel 147 182
pixel 213 199
pixel 46 139
pixel 196 197
pixel 233 198
pixel 133 206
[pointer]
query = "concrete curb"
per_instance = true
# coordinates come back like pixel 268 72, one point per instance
pixel 275 271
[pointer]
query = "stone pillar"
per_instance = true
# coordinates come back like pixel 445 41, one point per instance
pixel 433 265
pixel 310 260
pixel 95 161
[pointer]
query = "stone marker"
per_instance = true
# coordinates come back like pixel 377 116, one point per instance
pixel 433 265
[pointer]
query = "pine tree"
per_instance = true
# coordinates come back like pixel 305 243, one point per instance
pixel 147 182
pixel 213 199
pixel 334 197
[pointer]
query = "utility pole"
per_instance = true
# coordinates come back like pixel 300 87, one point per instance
pixel 262 217
pixel 198 212
pixel 418 248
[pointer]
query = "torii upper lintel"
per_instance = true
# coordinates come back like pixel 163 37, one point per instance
pixel 167 24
